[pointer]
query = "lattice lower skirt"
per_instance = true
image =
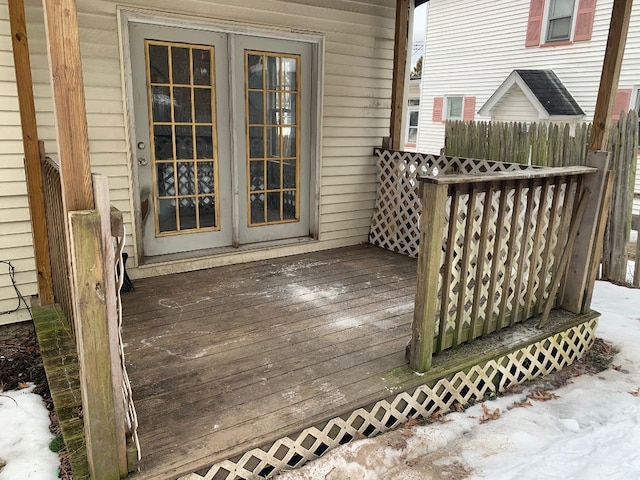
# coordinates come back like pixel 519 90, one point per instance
pixel 489 377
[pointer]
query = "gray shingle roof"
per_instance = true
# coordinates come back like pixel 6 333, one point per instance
pixel 550 92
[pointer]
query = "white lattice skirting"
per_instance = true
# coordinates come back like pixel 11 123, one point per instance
pixel 496 375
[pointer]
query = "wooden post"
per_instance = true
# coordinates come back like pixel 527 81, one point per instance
pixel 576 281
pixel 399 71
pixel 63 47
pixel 596 254
pixel 32 168
pixel 618 28
pixel 92 338
pixel 103 207
pixel 434 201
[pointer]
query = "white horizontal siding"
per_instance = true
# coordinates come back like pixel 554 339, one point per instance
pixel 474 52
pixel 358 58
pixel 515 107
pixel 15 229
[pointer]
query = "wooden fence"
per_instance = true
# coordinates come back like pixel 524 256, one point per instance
pixel 556 145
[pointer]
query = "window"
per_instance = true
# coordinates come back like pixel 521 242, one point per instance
pixel 453 108
pixel 412 131
pixel 560 20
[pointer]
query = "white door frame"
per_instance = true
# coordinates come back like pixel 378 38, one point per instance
pixel 128 15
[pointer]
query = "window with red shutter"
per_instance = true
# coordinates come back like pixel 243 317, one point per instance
pixel 584 20
pixel 534 25
pixel 555 20
pixel 438 102
pixel 469 110
pixel 621 103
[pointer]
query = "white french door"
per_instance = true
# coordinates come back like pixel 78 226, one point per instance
pixel 210 174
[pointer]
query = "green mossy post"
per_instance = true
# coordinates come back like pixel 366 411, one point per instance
pixel 60 359
pixel 92 337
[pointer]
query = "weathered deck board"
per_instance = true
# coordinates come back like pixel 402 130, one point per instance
pixel 230 358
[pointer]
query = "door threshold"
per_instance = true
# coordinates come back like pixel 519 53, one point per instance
pixel 207 258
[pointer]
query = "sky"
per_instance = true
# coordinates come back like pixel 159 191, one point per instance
pixel 588 429
pixel 419 30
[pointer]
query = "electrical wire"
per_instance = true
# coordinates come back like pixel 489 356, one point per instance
pixel 19 296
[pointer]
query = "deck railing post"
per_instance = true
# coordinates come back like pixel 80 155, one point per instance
pixel 92 337
pixel 578 278
pixel 434 203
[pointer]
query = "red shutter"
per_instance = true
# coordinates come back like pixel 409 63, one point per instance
pixel 584 20
pixel 469 109
pixel 621 103
pixel 438 102
pixel 534 25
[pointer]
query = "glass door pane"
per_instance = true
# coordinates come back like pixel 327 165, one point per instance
pixel 181 95
pixel 272 87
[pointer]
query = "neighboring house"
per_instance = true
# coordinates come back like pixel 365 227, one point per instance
pixel 413 114
pixel 472 62
pixel 212 181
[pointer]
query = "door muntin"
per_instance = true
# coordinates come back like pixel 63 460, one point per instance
pixel 272 114
pixel 182 121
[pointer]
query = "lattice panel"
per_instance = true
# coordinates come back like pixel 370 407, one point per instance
pixel 534 360
pixel 395 223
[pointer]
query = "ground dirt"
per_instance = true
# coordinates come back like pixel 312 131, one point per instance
pixel 21 363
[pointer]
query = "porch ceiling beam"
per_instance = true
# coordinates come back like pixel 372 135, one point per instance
pixel 63 47
pixel 400 52
pixel 614 53
pixel 33 170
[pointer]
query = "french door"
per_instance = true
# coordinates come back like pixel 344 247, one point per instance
pixel 222 137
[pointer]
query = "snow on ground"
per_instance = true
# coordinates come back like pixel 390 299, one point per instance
pixel 592 431
pixel 25 437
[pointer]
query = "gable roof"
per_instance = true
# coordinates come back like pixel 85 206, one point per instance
pixel 543 88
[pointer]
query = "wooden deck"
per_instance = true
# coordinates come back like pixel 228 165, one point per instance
pixel 231 358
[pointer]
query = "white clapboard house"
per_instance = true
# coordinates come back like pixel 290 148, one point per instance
pixel 519 61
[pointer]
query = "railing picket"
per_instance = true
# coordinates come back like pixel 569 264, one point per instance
pixel 487 206
pixel 447 271
pixel 508 266
pixel 496 261
pixel 523 251
pixel 465 266
pixel 552 236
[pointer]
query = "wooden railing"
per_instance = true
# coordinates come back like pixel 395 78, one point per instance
pixel 56 221
pixel 86 289
pixel 490 250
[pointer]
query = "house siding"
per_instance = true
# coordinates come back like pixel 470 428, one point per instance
pixel 515 107
pixel 358 65
pixel 15 228
pixel 473 53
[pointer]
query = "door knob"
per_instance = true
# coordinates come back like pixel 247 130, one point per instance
pixel 143 162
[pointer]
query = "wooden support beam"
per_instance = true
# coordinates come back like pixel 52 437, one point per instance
pixel 93 343
pixel 613 55
pixel 429 259
pixel 32 168
pixel 400 50
pixel 576 280
pixel 63 47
